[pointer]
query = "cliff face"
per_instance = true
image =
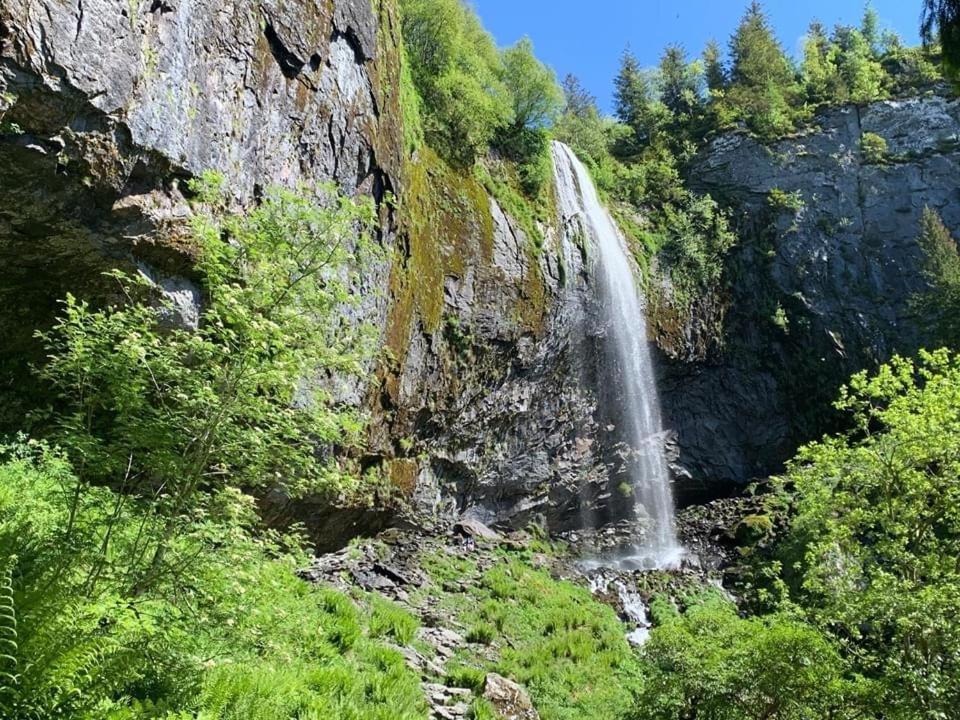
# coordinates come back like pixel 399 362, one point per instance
pixel 822 281
pixel 109 106
pixel 488 401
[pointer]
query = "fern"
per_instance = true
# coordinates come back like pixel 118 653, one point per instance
pixel 9 677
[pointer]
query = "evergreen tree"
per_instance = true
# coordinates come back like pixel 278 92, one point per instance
pixel 870 29
pixel 714 72
pixel 861 74
pixel 634 99
pixel 821 78
pixel 763 87
pixel 579 101
pixel 679 90
pixel 941 23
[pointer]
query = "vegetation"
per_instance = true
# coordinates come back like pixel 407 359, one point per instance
pixel 135 578
pixel 230 632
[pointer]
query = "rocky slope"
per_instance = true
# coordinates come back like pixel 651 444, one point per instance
pixel 821 283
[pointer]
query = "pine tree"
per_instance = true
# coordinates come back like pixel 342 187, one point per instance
pixel 821 78
pixel 763 87
pixel 870 29
pixel 714 72
pixel 941 23
pixel 634 103
pixel 679 90
pixel 579 101
pixel 862 76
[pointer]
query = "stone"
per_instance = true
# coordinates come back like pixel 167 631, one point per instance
pixel 509 699
pixel 477 530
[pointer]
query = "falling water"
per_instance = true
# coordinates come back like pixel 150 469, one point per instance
pixel 633 386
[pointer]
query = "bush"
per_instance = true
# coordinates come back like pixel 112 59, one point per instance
pixel 708 662
pixel 235 635
pixel 872 548
pixel 873 148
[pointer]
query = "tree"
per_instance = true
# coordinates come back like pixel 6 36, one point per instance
pixel 862 75
pixel 762 84
pixel 456 69
pixel 714 72
pixel 581 127
pixel 170 414
pixel 941 23
pixel 870 29
pixel 941 302
pixel 876 535
pixel 679 83
pixel 635 105
pixel 821 78
pixel 531 86
pixel 579 101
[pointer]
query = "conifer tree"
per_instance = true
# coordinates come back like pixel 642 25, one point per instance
pixel 634 99
pixel 821 78
pixel 763 87
pixel 941 23
pixel 870 29
pixel 679 90
pixel 714 72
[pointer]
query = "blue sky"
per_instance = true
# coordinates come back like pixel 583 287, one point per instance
pixel 587 37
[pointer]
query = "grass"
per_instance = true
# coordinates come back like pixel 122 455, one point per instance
pixel 552 636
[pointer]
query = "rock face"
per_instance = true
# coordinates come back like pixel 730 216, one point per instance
pixel 821 283
pixel 108 106
pixel 487 404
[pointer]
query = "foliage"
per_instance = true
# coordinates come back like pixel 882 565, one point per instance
pixel 780 199
pixel 169 414
pixel 234 635
pixel 457 71
pixel 941 23
pixel 762 91
pixel 941 302
pixel 874 148
pixel 553 637
pixel 709 663
pixel 537 98
pixel 871 554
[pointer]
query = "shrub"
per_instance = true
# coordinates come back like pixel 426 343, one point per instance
pixel 708 662
pixel 873 148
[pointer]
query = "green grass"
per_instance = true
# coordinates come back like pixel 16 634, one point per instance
pixel 551 636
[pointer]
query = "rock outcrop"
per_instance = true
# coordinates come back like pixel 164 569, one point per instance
pixel 822 281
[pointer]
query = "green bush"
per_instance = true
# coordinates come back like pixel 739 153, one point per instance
pixel 873 148
pixel 871 553
pixel 709 662
pixel 234 635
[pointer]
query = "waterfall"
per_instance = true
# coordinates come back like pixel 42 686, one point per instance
pixel 628 384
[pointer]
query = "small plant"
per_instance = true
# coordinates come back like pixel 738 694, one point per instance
pixel 482 633
pixel 388 619
pixel 780 318
pixel 873 148
pixel 464 676
pixel 782 200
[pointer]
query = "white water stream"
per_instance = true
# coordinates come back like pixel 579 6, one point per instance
pixel 631 384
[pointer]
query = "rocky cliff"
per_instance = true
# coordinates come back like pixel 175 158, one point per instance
pixel 109 106
pixel 821 283
pixel 486 402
